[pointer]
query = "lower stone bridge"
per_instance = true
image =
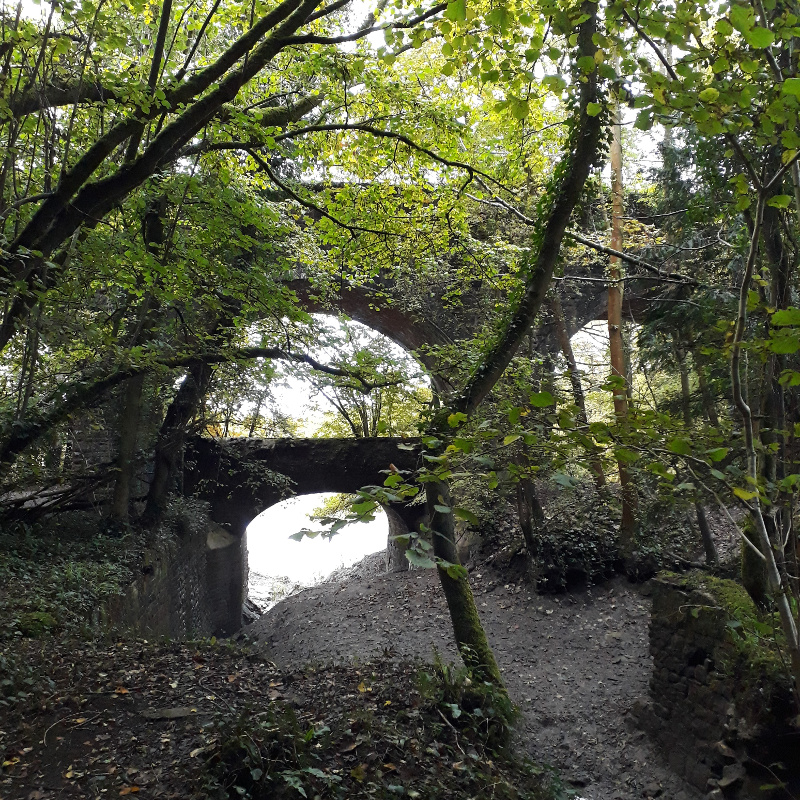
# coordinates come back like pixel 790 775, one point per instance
pixel 239 478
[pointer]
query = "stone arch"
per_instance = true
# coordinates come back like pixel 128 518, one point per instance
pixel 239 478
pixel 414 332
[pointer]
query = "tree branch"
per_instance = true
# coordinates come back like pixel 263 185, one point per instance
pixel 601 248
pixel 353 229
pixel 311 38
pixel 574 170
pixel 656 49
pixel 86 390
pixel 381 133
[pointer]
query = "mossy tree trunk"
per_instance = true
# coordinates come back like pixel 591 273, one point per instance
pixel 562 195
pixel 469 633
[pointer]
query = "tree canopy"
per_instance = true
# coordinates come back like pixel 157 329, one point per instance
pixel 181 182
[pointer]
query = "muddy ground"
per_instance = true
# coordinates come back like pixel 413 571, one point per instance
pixel 574 663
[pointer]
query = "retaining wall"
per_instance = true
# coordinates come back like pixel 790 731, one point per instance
pixel 192 583
pixel 720 703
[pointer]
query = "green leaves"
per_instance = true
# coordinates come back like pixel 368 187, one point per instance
pixel 454 420
pixel 519 108
pixel 759 38
pixel 679 446
pixel 780 201
pixel 418 560
pixel 791 87
pixel 717 453
pixel 542 399
pixel 456 11
pixel 709 95
pixel 787 316
pixel 466 515
pixel 500 17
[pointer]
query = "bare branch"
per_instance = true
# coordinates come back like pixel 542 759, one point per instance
pixel 656 49
pixel 311 38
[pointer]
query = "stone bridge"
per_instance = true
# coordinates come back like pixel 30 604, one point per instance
pixel 424 321
pixel 240 478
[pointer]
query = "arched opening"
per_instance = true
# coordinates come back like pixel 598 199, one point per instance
pixel 280 565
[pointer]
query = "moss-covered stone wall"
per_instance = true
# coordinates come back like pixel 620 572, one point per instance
pixel 720 702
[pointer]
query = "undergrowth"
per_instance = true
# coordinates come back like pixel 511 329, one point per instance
pixel 54 576
pixel 435 732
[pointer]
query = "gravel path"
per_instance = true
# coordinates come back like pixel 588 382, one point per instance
pixel 573 663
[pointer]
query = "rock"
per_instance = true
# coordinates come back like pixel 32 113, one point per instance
pixel 578 779
pixel 653 790
pixel 250 612
pixel 725 751
pixel 731 775
pixel 36 623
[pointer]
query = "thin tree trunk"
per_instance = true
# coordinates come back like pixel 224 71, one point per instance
pixel 627 531
pixel 780 591
pixel 712 557
pixel 256 414
pixel 595 464
pixel 709 402
pixel 531 518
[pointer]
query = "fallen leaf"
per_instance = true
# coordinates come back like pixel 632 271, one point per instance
pixel 121 690
pixel 359 772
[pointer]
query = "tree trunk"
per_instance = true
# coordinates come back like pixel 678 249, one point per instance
pixel 712 557
pixel 595 464
pixel 709 401
pixel 396 547
pixel 581 151
pixel 126 447
pixel 469 634
pixel 627 532
pixel 531 518
pixel 169 447
pixel 776 580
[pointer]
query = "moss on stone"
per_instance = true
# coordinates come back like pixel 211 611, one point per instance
pixel 36 623
pixel 755 634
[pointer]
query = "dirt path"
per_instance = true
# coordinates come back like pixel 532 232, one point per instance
pixel 573 663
